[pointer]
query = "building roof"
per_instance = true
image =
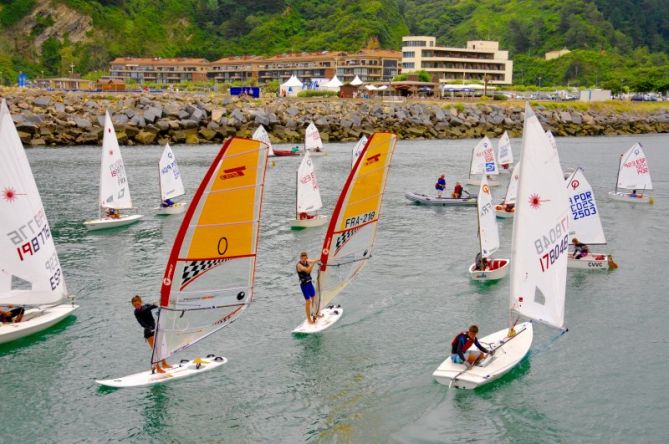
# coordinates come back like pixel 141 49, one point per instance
pixel 159 61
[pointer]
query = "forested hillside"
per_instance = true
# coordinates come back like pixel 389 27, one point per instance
pixel 614 37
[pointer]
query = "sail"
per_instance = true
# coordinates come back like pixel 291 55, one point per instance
pixel 584 221
pixel 634 173
pixel 308 194
pixel 261 135
pixel 540 230
pixel 171 184
pixel 312 138
pixel 352 230
pixel 512 188
pixel 483 159
pixel 208 279
pixel 28 251
pixel 114 189
pixel 504 153
pixel 553 143
pixel 357 149
pixel 488 234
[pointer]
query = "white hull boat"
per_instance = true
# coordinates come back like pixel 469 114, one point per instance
pixel 627 197
pixel 497 269
pixel 329 315
pixel 177 208
pixel 508 353
pixel 317 221
pixel 424 199
pixel 592 261
pixel 104 223
pixel 34 321
pixel 314 153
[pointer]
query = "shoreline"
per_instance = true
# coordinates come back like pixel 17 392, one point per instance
pixel 55 119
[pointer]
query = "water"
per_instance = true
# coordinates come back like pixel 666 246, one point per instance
pixel 367 379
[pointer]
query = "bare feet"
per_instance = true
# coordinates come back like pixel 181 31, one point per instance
pixel 311 320
pixel 165 365
pixel 159 369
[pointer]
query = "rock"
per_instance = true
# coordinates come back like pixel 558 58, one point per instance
pixel 138 121
pixel 187 124
pixel 207 134
pixel 216 114
pixel 89 138
pixel 145 137
pixel 183 114
pixel 238 115
pixel 131 131
pixel 565 116
pixel 192 139
pixel 37 142
pixel 171 109
pixel 27 128
pixel 164 125
pixel 119 119
pixel 198 115
pixel 261 118
pixel 213 126
pixel 42 101
pixel 59 107
pixel 292 111
pixel 82 123
pixel 576 118
pixel 153 113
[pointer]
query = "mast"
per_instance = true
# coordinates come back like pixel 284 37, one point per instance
pixel 620 161
pixel 297 193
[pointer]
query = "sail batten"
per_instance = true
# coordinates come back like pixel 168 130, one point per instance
pixel 214 253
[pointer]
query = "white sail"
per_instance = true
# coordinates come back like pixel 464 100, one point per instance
pixel 357 149
pixel 634 173
pixel 171 184
pixel 308 194
pixel 540 230
pixel 114 189
pixel 504 153
pixel 261 135
pixel 488 233
pixel 553 143
pixel 483 159
pixel 312 138
pixel 512 188
pixel 28 253
pixel 208 280
pixel 584 221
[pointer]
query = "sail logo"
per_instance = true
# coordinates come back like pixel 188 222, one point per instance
pixel 640 165
pixel 231 173
pixel 117 169
pixel 311 177
pixel 372 159
pixel 9 194
pixel 486 189
pixel 575 184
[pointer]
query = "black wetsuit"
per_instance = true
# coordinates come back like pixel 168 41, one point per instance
pixel 145 319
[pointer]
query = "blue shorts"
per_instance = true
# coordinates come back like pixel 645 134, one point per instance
pixel 308 290
pixel 456 358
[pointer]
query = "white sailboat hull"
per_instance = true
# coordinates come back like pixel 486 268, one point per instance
pixel 592 261
pixel 104 223
pixel 424 199
pixel 330 315
pixel 183 370
pixel 177 208
pixel 477 182
pixel 319 220
pixel 512 351
pixel 625 197
pixel 499 268
pixel 34 321
pixel 313 153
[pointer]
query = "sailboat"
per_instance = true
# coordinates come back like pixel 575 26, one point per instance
pixel 208 280
pixel 308 197
pixel 483 162
pixel 171 185
pixel 585 224
pixel 350 237
pixel 507 208
pixel 312 141
pixel 261 135
pixel 357 149
pixel 488 238
pixel 633 174
pixel 30 273
pixel 539 256
pixel 504 153
pixel 114 188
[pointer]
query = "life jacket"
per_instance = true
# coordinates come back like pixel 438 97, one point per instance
pixel 456 340
pixel 304 277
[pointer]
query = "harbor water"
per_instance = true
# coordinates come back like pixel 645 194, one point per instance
pixel 369 377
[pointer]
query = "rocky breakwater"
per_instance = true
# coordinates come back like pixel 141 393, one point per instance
pixel 61 119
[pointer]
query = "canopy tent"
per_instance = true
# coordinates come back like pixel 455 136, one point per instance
pixel 334 83
pixel 291 87
pixel 356 81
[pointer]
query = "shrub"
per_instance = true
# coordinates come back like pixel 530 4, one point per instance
pixel 317 93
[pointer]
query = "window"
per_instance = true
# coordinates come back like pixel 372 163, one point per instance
pixel 414 43
pixel 408 54
pixel 408 65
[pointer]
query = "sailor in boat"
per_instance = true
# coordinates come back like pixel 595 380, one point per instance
pixel 481 262
pixel 167 203
pixel 460 353
pixel 635 194
pixel 113 213
pixel 457 191
pixel 440 186
pixel 304 215
pixel 580 249
pixel 509 207
pixel 145 319
pixel 12 315
pixel 303 268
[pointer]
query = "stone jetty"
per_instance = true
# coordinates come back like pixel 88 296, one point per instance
pixel 67 118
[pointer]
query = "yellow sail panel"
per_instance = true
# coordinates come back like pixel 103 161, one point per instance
pixel 364 198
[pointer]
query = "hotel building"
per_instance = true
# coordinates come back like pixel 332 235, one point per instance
pixel 480 58
pixel 159 70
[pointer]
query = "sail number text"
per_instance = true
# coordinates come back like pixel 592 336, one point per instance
pixel 582 205
pixel 552 244
pixel 358 220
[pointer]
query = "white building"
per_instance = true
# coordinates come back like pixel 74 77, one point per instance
pixel 480 58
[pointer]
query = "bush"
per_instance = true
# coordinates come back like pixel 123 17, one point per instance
pixel 317 93
pixel 500 97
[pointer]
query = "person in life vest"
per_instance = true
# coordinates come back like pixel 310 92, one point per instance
pixel 14 314
pixel 457 191
pixel 304 215
pixel 480 262
pixel 303 268
pixel 460 353
pixel 580 249
pixel 440 186
pixel 145 318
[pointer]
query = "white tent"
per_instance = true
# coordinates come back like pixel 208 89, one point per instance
pixel 370 87
pixel 334 83
pixel 291 87
pixel 356 81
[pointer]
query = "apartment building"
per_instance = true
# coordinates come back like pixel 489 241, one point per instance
pixel 159 70
pixel 479 59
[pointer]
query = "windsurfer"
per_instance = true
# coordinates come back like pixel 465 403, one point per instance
pixel 303 268
pixel 440 186
pixel 12 315
pixel 460 353
pixel 145 319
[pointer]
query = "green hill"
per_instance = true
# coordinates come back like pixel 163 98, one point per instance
pixel 620 41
